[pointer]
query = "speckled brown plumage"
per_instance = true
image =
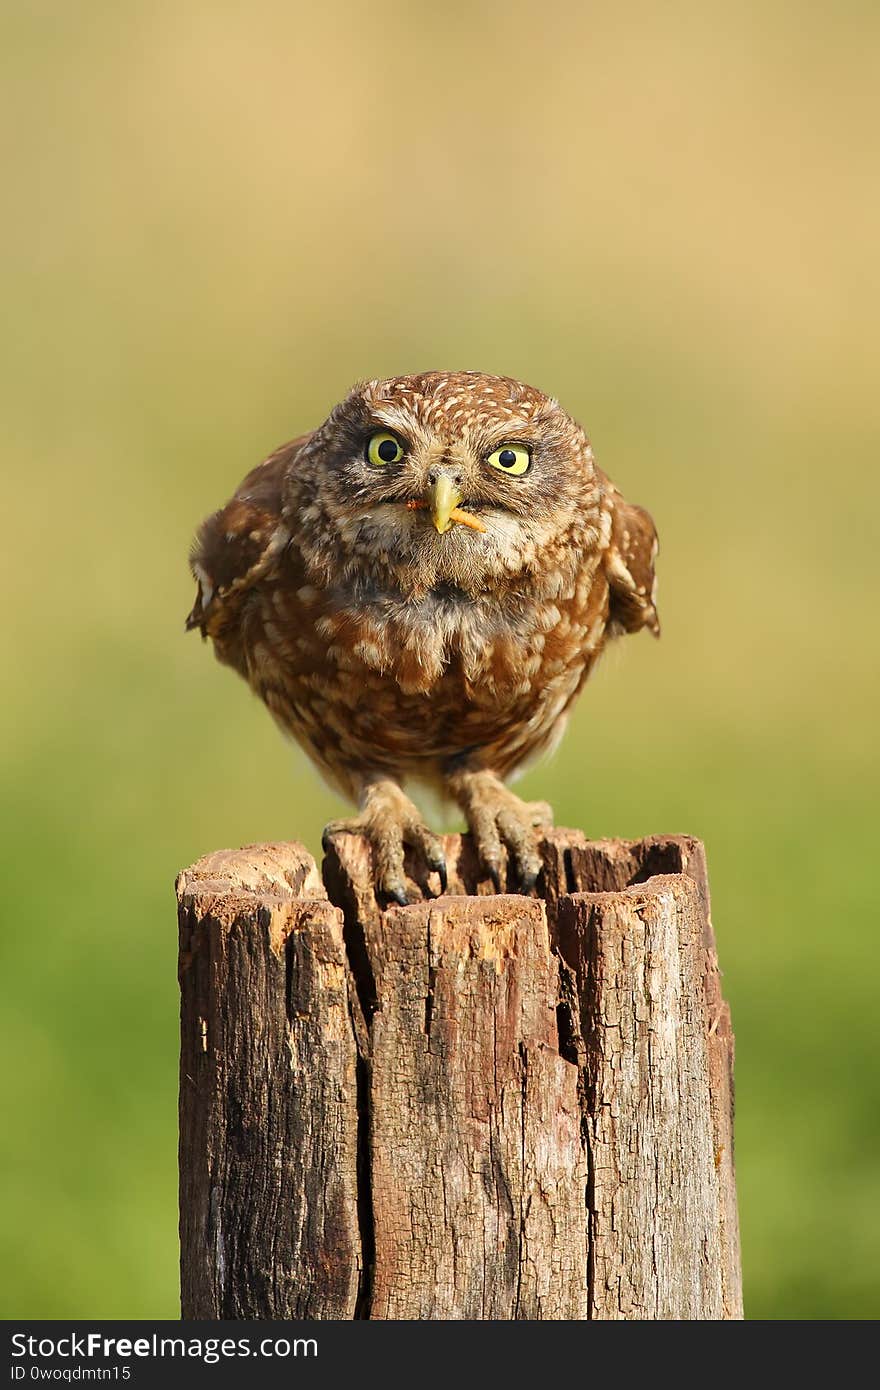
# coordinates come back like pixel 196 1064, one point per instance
pixel 395 644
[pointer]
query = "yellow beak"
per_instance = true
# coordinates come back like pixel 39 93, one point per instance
pixel 443 497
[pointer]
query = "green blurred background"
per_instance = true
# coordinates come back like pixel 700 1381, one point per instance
pixel 220 215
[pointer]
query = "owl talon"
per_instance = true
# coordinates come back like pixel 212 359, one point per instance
pixel 396 894
pixel 528 877
pixel 438 866
pixel 496 817
pixel 389 821
pixel 339 827
pixel 494 871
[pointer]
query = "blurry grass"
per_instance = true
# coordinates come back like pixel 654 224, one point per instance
pixel 222 220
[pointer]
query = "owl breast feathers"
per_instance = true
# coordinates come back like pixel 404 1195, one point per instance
pixel 419 589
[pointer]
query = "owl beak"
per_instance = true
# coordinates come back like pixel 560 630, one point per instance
pixel 442 497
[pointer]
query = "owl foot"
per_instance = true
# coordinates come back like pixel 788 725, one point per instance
pixel 390 821
pixel 496 817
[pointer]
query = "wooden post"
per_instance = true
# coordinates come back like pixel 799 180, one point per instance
pixel 479 1106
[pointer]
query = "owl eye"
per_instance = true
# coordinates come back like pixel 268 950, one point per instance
pixel 383 448
pixel 512 458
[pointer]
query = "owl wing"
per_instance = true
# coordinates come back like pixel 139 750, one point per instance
pixel 629 567
pixel 236 546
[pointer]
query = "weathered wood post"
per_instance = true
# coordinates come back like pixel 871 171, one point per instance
pixel 475 1107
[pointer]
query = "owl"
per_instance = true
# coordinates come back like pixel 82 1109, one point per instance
pixel 418 590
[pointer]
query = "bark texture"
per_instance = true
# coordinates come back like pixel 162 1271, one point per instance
pixel 474 1107
pixel 268 1093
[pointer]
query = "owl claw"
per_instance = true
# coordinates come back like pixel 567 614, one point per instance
pixel 528 877
pixel 397 894
pixel 496 818
pixel 494 871
pixel 389 821
pixel 438 866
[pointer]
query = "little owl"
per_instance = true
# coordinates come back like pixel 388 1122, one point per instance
pixel 418 590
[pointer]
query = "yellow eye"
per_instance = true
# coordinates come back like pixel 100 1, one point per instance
pixel 511 458
pixel 383 448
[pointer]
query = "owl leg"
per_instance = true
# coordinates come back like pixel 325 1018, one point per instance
pixel 390 821
pixel 496 817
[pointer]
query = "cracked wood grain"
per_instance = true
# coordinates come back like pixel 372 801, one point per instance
pixel 268 1093
pixel 478 1172
pixel 479 1107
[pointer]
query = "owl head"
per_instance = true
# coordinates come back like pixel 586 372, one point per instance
pixel 454 478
